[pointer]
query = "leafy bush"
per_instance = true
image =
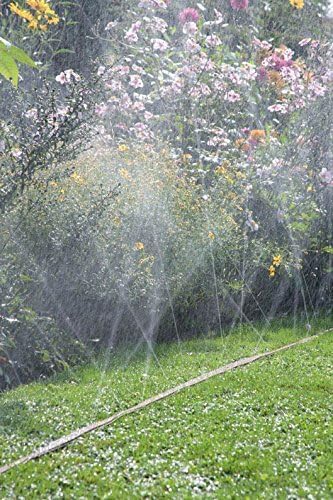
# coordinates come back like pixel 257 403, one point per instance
pixel 184 184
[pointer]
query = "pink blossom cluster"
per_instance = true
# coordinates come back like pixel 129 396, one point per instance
pixel 174 68
pixel 239 4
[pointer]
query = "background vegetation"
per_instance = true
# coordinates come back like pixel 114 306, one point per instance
pixel 157 205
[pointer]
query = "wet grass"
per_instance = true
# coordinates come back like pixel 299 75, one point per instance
pixel 261 431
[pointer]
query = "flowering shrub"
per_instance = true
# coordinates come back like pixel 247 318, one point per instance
pixel 178 75
pixel 206 194
pixel 46 128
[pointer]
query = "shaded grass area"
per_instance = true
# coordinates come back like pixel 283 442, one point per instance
pixel 264 430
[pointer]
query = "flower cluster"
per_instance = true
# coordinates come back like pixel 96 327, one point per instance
pixel 68 76
pixel 294 85
pixel 277 260
pixel 39 15
pixel 298 4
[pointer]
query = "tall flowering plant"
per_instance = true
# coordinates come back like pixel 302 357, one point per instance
pixel 226 112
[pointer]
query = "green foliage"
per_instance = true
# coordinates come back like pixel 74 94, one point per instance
pixel 9 57
pixel 262 429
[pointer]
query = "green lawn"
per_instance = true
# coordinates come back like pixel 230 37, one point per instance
pixel 261 431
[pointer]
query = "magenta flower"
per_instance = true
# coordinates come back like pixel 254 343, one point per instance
pixel 189 15
pixel 239 4
pixel 280 62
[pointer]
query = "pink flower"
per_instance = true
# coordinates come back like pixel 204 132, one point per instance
pixel 131 35
pixel 148 115
pixel 138 106
pixel 138 69
pixel 158 24
pixel 191 45
pixel 190 28
pixel 189 15
pixel 326 177
pixel 101 109
pixel 66 77
pixel 262 74
pixel 239 4
pixel 213 41
pixel 261 44
pixel 136 81
pixel 279 62
pixel 278 108
pixel 61 78
pixel 159 44
pixel 232 96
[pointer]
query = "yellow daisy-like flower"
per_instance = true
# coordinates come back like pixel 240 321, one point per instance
pixel 42 12
pixel 271 271
pixel 124 173
pixel 277 260
pixel 211 235
pixel 186 157
pixel 139 245
pixel 298 4
pixel 33 25
pixel 23 13
pixel 77 178
pixel 123 148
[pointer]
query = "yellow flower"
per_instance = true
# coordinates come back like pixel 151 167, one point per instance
pixel 139 245
pixel 186 157
pixel 23 13
pixel 42 11
pixel 122 148
pixel 257 135
pixel 211 235
pixel 271 271
pixel 117 220
pixel 33 25
pixel 77 178
pixel 299 4
pixel 124 173
pixel 277 260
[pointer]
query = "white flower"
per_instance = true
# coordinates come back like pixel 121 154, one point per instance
pixel 66 77
pixel 138 69
pixel 278 108
pixel 136 81
pixel 148 115
pixel 213 41
pixel 304 42
pixel 159 44
pixel 326 177
pixel 101 70
pixel 111 25
pixel 190 28
pixel 31 114
pixel 101 109
pixel 61 78
pixel 62 112
pixel 16 153
pixel 232 96
pixel 191 45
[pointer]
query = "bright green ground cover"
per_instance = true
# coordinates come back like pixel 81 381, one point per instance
pixel 261 431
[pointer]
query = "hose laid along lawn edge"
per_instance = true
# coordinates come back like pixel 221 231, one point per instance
pixel 65 440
